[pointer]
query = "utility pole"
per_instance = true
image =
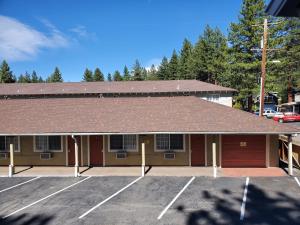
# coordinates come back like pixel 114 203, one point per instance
pixel 263 68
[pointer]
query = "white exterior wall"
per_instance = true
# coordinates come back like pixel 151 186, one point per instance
pixel 223 98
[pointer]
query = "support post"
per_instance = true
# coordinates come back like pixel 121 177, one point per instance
pixel 290 155
pixel 76 167
pixel 143 159
pixel 11 169
pixel 214 156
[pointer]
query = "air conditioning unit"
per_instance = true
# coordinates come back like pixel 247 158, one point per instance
pixel 121 155
pixel 46 155
pixel 169 155
pixel 4 155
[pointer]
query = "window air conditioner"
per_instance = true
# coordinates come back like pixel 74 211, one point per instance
pixel 46 155
pixel 121 155
pixel 169 155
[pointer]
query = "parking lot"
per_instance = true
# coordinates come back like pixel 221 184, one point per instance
pixel 149 200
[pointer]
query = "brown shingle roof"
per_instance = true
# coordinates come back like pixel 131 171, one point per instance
pixel 129 115
pixel 110 87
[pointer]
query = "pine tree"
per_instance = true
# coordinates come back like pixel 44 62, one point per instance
pixel 209 57
pixel 163 69
pixel 98 75
pixel 152 73
pixel 137 71
pixel 184 65
pixel 27 78
pixel 55 77
pixel 243 38
pixel 34 77
pixel 284 35
pixel 109 78
pixel 21 79
pixel 117 76
pixel 173 67
pixel 41 80
pixel 126 74
pixel 144 74
pixel 88 75
pixel 6 75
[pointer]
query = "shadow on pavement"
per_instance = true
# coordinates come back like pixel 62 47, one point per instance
pixel 30 167
pixel 261 209
pixel 26 219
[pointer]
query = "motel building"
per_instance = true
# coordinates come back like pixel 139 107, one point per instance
pixel 148 123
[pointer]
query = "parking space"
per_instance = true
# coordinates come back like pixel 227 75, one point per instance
pixel 68 205
pixel 141 203
pixel 273 201
pixel 9 183
pixel 208 201
pixel 149 200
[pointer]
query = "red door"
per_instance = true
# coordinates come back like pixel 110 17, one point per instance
pixel 198 150
pixel 71 150
pixel 96 147
pixel 243 150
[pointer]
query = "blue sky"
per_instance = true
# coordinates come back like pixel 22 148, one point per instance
pixel 41 34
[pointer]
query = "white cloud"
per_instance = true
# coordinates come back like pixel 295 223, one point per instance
pixel 19 41
pixel 155 61
pixel 81 32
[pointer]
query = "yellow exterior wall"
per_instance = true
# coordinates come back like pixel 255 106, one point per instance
pixel 152 157
pixel 27 156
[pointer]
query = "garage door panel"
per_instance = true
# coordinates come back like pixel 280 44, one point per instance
pixel 250 153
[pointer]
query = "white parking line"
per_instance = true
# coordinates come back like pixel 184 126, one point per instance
pixel 115 194
pixel 298 182
pixel 174 199
pixel 244 199
pixel 6 189
pixel 42 199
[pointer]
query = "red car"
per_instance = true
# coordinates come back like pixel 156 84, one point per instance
pixel 287 117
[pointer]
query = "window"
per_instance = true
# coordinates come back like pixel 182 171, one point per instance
pixel 169 142
pixel 48 144
pixel 123 143
pixel 5 141
pixel 213 97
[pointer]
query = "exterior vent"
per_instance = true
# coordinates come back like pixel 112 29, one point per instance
pixel 169 155
pixel 45 156
pixel 4 155
pixel 121 155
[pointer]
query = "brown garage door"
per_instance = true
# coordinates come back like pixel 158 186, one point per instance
pixel 243 150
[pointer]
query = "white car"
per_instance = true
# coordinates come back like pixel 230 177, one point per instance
pixel 269 113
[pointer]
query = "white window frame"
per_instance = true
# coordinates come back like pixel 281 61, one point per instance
pixel 15 150
pixel 169 150
pixel 124 150
pixel 213 97
pixel 47 150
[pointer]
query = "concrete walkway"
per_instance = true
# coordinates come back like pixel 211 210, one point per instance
pixel 253 172
pixel 182 171
pixel 179 171
pixel 109 171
